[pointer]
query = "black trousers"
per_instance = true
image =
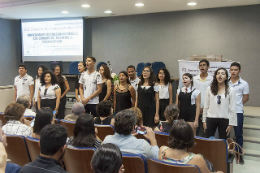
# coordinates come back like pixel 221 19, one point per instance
pixel 213 124
pixel 91 108
pixel 200 129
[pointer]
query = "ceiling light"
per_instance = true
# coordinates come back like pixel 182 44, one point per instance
pixel 192 3
pixel 139 4
pixel 108 11
pixel 85 5
pixel 65 12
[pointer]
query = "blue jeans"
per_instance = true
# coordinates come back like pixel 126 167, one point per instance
pixel 239 130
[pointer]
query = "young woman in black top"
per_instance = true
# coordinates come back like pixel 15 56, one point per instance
pixel 147 99
pixel 64 85
pixel 106 80
pixel 123 93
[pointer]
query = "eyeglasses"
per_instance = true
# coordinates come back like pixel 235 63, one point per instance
pixel 219 97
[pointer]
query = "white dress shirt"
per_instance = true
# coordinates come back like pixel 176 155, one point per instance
pixel 164 91
pixel 37 86
pixel 23 85
pixel 13 127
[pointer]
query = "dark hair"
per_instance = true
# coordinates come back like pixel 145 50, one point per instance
pixel 107 159
pixel 84 63
pixel 125 121
pixel 43 117
pixel 236 64
pixel 106 71
pixel 167 78
pixel 92 58
pixel 151 78
pixel 14 111
pixel 181 135
pixel 189 76
pixel 53 77
pixel 44 68
pixel 103 108
pixel 126 74
pixel 22 65
pixel 84 131
pixel 214 84
pixel 171 113
pixel 139 116
pixel 204 60
pixel 53 137
pixel 60 79
pixel 130 66
pixel 24 100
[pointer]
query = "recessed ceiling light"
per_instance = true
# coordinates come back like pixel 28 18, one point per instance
pixel 85 5
pixel 108 11
pixel 139 4
pixel 192 3
pixel 65 12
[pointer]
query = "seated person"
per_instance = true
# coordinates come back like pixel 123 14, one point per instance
pixel 16 123
pixel 124 126
pixel 43 117
pixel 171 114
pixel 84 133
pixel 107 158
pixel 104 110
pixel 52 145
pixel 77 109
pixel 181 138
pixel 25 101
pixel 139 116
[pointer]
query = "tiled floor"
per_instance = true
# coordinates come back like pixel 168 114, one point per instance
pixel 250 166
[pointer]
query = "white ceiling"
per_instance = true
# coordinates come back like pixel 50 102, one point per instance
pixel 33 9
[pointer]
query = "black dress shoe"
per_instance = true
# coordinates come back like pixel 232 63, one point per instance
pixel 241 161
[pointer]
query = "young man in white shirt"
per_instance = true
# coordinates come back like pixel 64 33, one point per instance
pixel 202 82
pixel 132 76
pixel 90 87
pixel 23 84
pixel 241 88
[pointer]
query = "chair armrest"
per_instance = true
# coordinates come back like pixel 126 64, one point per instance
pixel 230 158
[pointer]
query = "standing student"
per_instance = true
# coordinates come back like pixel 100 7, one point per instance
pixel 241 88
pixel 220 106
pixel 106 83
pixel 188 101
pixel 202 82
pixel 49 92
pixel 23 84
pixel 90 86
pixel 37 82
pixel 147 99
pixel 134 80
pixel 165 91
pixel 124 92
pixel 81 68
pixel 64 86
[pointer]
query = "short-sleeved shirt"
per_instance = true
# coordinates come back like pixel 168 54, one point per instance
pixel 48 93
pixel 90 82
pixel 37 86
pixel 23 85
pixel 194 94
pixel 241 87
pixel 164 91
pixel 135 82
pixel 13 127
pixel 155 88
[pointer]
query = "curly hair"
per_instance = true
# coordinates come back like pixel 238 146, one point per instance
pixel 151 78
pixel 14 111
pixel 53 77
pixel 171 113
pixel 104 108
pixel 167 78
pixel 139 116
pixel 125 121
pixel 181 136
pixel 214 84
pixel 106 71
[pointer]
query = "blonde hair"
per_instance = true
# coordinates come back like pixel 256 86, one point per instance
pixel 139 116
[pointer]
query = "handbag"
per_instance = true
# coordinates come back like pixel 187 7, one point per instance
pixel 232 146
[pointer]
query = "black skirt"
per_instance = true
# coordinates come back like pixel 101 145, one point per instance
pixel 163 103
pixel 51 103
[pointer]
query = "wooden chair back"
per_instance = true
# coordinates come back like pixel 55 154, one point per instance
pixel 69 125
pixel 104 130
pixel 161 138
pixel 77 160
pixel 134 163
pixel 17 150
pixel 30 118
pixel 2 118
pixel 33 147
pixel 155 166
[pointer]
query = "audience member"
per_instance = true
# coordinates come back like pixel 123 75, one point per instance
pixel 25 101
pixel 84 133
pixel 3 158
pixel 139 116
pixel 107 159
pixel 52 146
pixel 171 114
pixel 104 110
pixel 16 123
pixel 181 138
pixel 124 125
pixel 77 109
pixel 43 117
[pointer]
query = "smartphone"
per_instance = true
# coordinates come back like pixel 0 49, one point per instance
pixel 141 130
pixel 54 112
pixel 32 123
